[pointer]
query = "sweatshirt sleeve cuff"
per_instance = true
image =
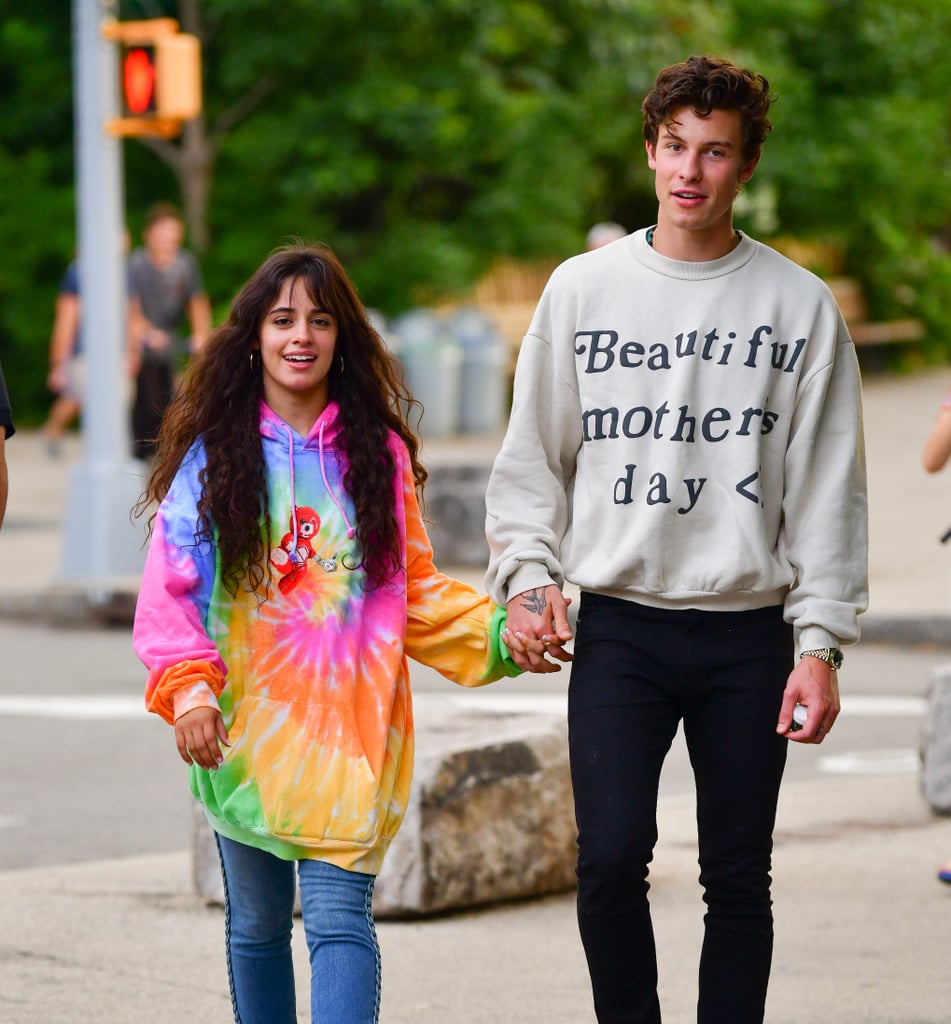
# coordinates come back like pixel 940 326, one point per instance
pixel 501 662
pixel 199 682
pixel 197 695
pixel 815 637
pixel 527 576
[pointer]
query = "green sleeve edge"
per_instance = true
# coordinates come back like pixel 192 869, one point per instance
pixel 501 662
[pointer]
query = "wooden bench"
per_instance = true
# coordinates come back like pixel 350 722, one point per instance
pixel 848 294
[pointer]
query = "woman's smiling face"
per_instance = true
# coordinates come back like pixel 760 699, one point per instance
pixel 297 342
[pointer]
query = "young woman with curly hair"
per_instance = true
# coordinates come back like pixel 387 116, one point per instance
pixel 289 577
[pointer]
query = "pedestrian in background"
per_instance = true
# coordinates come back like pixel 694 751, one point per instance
pixel 685 446
pixel 289 576
pixel 937 448
pixel 7 429
pixel 602 233
pixel 67 373
pixel 66 376
pixel 166 288
pixel 934 457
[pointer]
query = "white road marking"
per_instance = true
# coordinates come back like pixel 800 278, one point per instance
pixel 497 700
pixel 123 706
pixel 506 704
pixel 885 707
pixel 872 762
pixel 99 706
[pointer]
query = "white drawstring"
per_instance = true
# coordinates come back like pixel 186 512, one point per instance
pixel 290 459
pixel 323 473
pixel 333 497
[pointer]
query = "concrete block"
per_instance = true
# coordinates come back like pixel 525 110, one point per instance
pixel 206 867
pixel 936 743
pixel 455 510
pixel 491 817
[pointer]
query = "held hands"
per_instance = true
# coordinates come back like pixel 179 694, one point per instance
pixel 537 627
pixel 198 734
pixel 814 685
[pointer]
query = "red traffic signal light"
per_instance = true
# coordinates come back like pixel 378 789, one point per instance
pixel 138 80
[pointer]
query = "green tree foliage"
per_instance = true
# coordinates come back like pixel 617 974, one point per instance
pixel 420 139
pixel 424 140
pixel 36 174
pixel 861 152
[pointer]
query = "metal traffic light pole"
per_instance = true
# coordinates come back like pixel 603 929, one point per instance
pixel 101 544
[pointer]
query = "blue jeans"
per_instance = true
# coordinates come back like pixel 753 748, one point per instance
pixel 638 673
pixel 338 924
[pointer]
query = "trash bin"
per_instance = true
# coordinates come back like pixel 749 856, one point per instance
pixel 432 361
pixel 381 325
pixel 483 393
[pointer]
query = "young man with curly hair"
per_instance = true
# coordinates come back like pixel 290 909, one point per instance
pixel 685 446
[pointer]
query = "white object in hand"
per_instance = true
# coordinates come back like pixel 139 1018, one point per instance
pixel 800 714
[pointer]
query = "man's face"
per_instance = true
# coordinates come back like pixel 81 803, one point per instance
pixel 163 239
pixel 699 165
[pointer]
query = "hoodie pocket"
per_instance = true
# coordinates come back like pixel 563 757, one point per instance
pixel 307 769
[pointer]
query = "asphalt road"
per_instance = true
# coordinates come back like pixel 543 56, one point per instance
pixel 87 774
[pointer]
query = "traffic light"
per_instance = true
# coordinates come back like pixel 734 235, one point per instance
pixel 138 81
pixel 160 77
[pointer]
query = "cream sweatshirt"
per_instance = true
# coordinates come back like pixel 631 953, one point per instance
pixel 687 435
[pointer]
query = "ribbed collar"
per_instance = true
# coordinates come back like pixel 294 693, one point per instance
pixel 688 270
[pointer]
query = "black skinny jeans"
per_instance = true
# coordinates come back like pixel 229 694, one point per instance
pixel 637 673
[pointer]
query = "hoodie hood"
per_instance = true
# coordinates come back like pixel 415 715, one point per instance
pixel 322 436
pixel 273 428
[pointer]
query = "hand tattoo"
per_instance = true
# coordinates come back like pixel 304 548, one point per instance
pixel 534 601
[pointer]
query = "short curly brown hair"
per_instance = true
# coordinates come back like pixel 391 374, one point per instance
pixel 705 84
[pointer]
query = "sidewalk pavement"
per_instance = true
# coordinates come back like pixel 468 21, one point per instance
pixel 861 922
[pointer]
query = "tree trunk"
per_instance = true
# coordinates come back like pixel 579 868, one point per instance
pixel 196 153
pixel 194 172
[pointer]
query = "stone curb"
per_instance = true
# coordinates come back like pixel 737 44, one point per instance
pixel 907 630
pixel 111 603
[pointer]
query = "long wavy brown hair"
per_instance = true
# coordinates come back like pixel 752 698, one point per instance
pixel 219 399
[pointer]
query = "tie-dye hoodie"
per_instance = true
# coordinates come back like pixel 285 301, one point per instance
pixel 313 684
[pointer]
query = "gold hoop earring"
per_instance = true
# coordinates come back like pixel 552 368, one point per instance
pixel 251 362
pixel 342 364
